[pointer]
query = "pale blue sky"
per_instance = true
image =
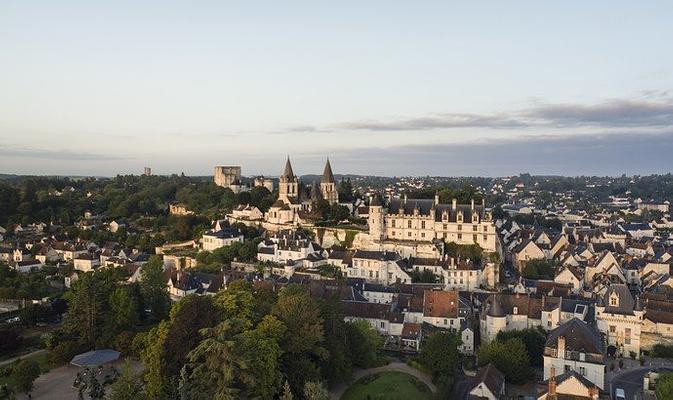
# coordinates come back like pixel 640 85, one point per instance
pixel 382 87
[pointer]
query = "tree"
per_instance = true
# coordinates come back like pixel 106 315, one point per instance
pixel 124 310
pixel 533 338
pixel 509 356
pixel 261 347
pixel 315 391
pixel 89 307
pixel 440 355
pixel 539 269
pixel 216 368
pixel 153 288
pixel 165 347
pixel 236 302
pixel 10 340
pixel 287 392
pixel 664 388
pixel 338 366
pixel 128 385
pixel 24 374
pixel 303 341
pixel 364 343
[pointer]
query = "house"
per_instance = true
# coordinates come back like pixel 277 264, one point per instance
pixel 575 346
pixel 383 267
pixel 487 384
pixel 525 251
pixel 212 239
pixel 246 213
pixel 619 318
pixel 569 385
pixel 86 262
pixel 440 309
pixel 569 275
pixel 116 225
pixel 179 209
pixel 288 246
pixel 27 265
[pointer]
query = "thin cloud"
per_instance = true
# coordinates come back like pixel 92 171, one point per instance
pixel 582 154
pixel 441 121
pixel 656 111
pixel 616 113
pixel 44 154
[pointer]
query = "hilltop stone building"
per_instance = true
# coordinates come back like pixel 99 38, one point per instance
pixel 428 220
pixel 295 203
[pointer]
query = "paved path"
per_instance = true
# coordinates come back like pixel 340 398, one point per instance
pixel 397 366
pixel 11 360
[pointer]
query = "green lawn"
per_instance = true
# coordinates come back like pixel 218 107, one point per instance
pixel 388 385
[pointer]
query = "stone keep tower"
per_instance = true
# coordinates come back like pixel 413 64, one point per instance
pixel 288 185
pixel 328 185
pixel 376 219
pixel 225 176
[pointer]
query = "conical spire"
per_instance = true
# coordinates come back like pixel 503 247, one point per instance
pixel 288 173
pixel 496 308
pixel 315 192
pixel 327 175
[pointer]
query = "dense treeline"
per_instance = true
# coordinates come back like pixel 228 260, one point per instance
pixel 247 342
pixel 63 200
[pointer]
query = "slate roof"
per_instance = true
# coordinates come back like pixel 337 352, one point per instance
pixel 327 175
pixel 424 206
pixel 491 377
pixel 579 337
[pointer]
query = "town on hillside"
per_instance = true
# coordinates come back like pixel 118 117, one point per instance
pixel 518 287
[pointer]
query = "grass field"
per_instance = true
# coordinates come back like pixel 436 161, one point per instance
pixel 388 385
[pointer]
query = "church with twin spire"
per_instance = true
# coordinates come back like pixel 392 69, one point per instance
pixel 297 202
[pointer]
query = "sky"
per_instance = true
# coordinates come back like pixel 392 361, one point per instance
pixel 380 87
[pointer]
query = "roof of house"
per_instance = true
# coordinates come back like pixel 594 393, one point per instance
pixel 440 304
pixel 579 336
pixel 491 377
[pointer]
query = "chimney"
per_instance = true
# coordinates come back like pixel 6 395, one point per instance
pixel 483 201
pixel 472 204
pixel 453 204
pixel 436 198
pixel 561 347
pixel 551 390
pixel 405 198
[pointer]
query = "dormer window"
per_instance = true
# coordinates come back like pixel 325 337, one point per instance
pixel 614 300
pixel 459 217
pixel 515 311
pixel 445 216
pixel 475 218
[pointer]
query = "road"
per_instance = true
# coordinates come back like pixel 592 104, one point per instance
pixel 11 360
pixel 632 381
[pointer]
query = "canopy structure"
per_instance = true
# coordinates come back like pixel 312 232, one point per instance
pixel 95 358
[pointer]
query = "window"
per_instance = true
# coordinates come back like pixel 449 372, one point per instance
pixel 475 227
pixel 383 324
pixel 460 236
pixel 409 234
pixel 567 368
pixel 422 224
pixel 409 224
pixel 474 238
pixel 485 228
pixel 422 234
pixel 451 322
pixel 613 329
pixel 445 321
pixel 444 226
pixel 460 227
pixel 583 371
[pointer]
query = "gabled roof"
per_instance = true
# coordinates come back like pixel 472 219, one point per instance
pixel 579 336
pixel 491 377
